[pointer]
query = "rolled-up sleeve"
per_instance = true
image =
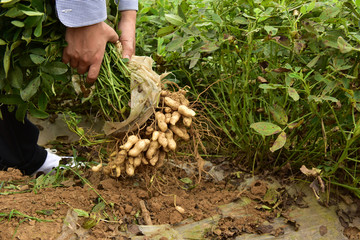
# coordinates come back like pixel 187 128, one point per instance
pixel 79 13
pixel 128 5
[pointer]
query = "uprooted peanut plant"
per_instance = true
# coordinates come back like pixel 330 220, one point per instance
pixel 171 123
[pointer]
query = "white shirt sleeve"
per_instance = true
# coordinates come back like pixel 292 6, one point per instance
pixel 79 13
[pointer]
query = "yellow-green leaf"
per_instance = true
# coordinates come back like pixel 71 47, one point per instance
pixel 18 23
pixel 7 60
pixel 266 128
pixel 293 94
pixel 279 114
pixel 279 142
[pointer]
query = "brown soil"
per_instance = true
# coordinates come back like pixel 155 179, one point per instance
pixel 26 201
pixel 94 206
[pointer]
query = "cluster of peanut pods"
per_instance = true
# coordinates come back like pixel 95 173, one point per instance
pixel 170 124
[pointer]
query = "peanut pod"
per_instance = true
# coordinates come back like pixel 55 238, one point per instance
pixel 160 118
pixel 130 142
pixel 167 117
pixel 182 134
pixel 155 158
pixel 174 105
pixel 175 116
pixel 155 136
pixel 154 145
pixel 171 142
pixel 187 121
pixel 185 111
pixel 138 148
pixel 120 157
pixel 162 140
pixel 97 167
pixel 161 159
pixel 130 170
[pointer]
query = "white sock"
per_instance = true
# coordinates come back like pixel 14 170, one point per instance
pixel 52 161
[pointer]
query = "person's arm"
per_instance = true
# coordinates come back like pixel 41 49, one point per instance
pixel 127 26
pixel 87 33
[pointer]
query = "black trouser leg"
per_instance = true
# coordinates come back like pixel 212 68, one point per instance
pixel 18 144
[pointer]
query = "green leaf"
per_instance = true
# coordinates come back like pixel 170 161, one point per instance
pixel 328 98
pixel 38 30
pixel 11 99
pixel 81 213
pixel 38 51
pixel 21 112
pixel 7 60
pixel 293 94
pixel 271 30
pixel 344 46
pixel 313 61
pixel 7 1
pixel 47 212
pixel 55 68
pixel 16 77
pixel 32 13
pixel 176 44
pixel 329 13
pixel 174 19
pixel 2 42
pixel 266 128
pixel 18 23
pixel 15 45
pixel 89 223
pixel 30 89
pixel 314 98
pixel 269 86
pixel 98 207
pixel 37 59
pixel 216 18
pixel 43 101
pixel 32 21
pixel 186 180
pixel 181 13
pixel 279 114
pixel 307 7
pixel 26 36
pixel 48 82
pixel 165 31
pixel 194 60
pixel 279 142
pixel 37 113
pixel 14 13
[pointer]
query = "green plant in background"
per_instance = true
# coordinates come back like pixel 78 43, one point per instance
pixel 30 46
pixel 286 69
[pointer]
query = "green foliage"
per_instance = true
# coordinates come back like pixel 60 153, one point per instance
pixel 287 70
pixel 30 45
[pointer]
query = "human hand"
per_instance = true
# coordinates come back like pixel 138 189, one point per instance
pixel 86 48
pixel 127 25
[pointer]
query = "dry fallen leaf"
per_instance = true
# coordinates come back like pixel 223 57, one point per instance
pixel 313 172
